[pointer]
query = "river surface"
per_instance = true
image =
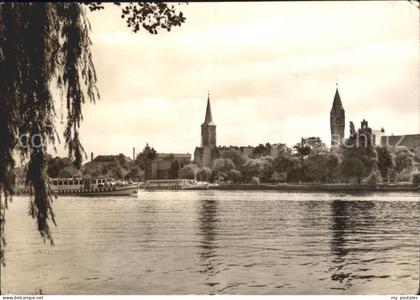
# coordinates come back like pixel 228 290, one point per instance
pixel 218 242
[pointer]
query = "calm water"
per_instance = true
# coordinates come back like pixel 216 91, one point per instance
pixel 209 242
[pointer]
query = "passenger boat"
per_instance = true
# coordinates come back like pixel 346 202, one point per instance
pixel 174 184
pixel 86 187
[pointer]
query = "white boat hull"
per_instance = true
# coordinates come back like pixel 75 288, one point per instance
pixel 124 190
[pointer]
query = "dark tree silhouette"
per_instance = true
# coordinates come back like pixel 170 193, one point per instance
pixel 43 45
pixel 152 16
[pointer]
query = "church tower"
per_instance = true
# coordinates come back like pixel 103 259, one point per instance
pixel 205 155
pixel 337 121
pixel 208 128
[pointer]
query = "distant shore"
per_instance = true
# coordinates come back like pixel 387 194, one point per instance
pixel 318 187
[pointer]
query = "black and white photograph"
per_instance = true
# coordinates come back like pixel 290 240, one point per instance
pixel 210 148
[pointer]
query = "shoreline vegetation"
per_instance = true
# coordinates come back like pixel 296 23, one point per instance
pixel 340 187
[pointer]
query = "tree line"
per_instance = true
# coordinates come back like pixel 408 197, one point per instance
pixel 311 161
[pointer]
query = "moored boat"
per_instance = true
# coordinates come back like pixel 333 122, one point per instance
pixel 86 187
pixel 174 184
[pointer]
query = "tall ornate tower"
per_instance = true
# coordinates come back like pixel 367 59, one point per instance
pixel 204 156
pixel 337 121
pixel 208 128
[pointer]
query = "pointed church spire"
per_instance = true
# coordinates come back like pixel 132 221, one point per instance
pixel 208 119
pixel 337 120
pixel 337 99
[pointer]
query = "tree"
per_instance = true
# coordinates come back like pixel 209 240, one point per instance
pixel 404 160
pixel 56 164
pixel 268 168
pixel 68 172
pixel 332 165
pixel 188 171
pixel 301 150
pixel 353 152
pixel 115 170
pixel 308 146
pixel 234 175
pixel 123 161
pixel 221 166
pixel 415 177
pixel 174 170
pixel 287 164
pixel 353 167
pixel 134 173
pixel 236 157
pixel 315 166
pixel 252 168
pixel 261 150
pixel 261 168
pixel 386 161
pixel 374 176
pixel 147 154
pixel 351 147
pixel 151 15
pixel 144 160
pixel 204 174
pixel 111 166
pixel 92 170
pixel 42 45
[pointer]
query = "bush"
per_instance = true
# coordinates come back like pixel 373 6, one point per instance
pixel 415 177
pixel 254 180
pixel 404 176
pixel 279 176
pixel 374 178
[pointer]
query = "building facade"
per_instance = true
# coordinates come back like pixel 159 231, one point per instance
pixel 162 165
pixel 378 134
pixel 411 141
pixel 167 165
pixel 365 136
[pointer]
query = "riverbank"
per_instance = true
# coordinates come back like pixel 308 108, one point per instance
pixel 318 187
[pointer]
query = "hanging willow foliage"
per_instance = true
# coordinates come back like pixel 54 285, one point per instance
pixel 43 45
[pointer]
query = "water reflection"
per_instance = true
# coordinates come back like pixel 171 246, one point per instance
pixel 148 222
pixel 351 222
pixel 208 244
pixel 339 250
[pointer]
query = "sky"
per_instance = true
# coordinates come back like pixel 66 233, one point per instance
pixel 271 69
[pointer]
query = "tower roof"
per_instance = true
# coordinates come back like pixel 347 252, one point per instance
pixel 337 101
pixel 208 120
